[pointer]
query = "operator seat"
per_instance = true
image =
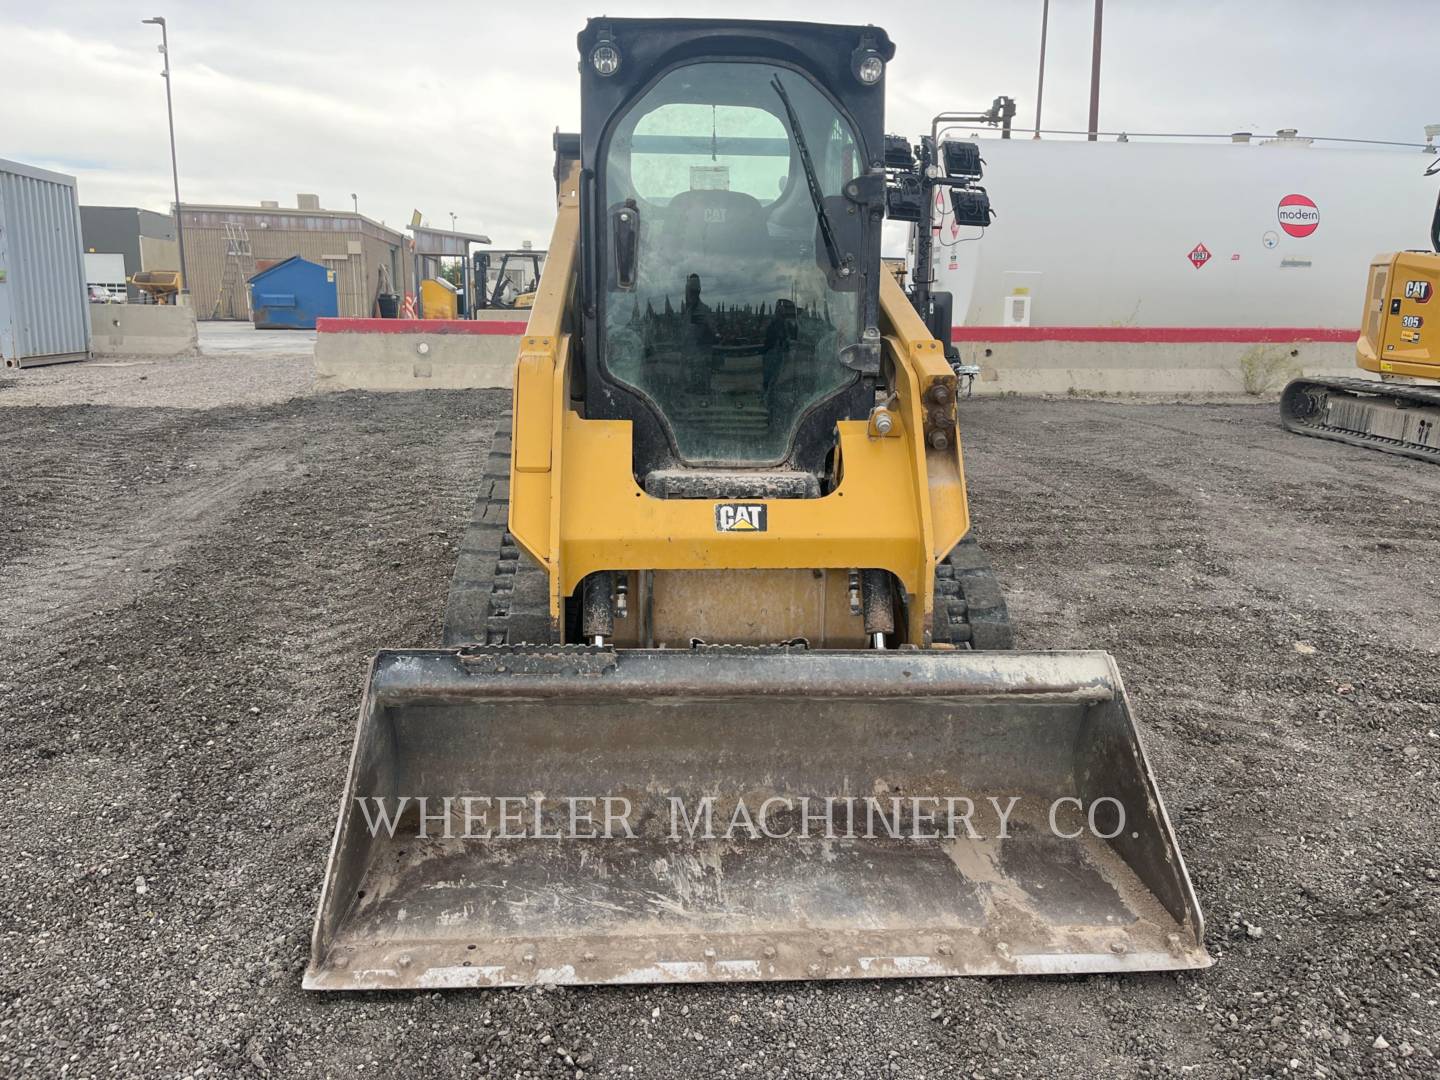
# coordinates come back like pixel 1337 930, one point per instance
pixel 715 223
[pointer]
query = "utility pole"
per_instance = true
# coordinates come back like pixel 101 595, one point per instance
pixel 159 21
pixel 1040 89
pixel 1095 76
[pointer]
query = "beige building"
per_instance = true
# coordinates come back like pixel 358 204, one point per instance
pixel 224 245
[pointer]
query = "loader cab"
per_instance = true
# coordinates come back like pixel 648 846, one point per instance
pixel 731 203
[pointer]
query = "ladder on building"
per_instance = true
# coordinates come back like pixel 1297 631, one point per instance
pixel 234 294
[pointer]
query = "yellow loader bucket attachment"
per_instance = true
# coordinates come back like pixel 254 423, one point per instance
pixel 746 814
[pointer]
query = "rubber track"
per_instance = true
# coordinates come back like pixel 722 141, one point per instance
pixel 970 609
pixel 500 596
pixel 1421 395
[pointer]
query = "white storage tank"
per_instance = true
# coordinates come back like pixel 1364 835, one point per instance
pixel 1174 234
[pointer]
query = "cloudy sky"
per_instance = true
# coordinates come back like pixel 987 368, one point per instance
pixel 449 107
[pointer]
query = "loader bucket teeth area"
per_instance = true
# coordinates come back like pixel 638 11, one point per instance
pixel 849 774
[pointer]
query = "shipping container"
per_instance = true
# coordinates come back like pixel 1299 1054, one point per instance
pixel 1170 234
pixel 44 315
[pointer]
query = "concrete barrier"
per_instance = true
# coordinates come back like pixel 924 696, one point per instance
pixel 1123 360
pixel 143 330
pixel 418 354
pixel 398 354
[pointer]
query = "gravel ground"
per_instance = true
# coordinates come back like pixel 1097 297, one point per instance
pixel 189 595
pixel 236 365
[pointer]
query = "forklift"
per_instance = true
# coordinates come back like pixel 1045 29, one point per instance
pixel 505 293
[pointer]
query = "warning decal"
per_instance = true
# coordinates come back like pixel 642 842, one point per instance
pixel 1199 256
pixel 1298 215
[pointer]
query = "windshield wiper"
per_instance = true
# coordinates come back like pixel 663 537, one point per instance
pixel 827 232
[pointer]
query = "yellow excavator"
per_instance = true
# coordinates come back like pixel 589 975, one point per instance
pixel 728 689
pixel 1399 412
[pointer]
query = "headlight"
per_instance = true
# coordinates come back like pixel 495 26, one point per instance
pixel 869 69
pixel 962 158
pixel 971 206
pixel 605 58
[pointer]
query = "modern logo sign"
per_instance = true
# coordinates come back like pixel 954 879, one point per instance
pixel 1298 215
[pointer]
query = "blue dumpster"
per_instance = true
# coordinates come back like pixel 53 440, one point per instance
pixel 292 294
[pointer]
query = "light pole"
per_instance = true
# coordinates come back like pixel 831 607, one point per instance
pixel 159 21
pixel 1095 74
pixel 356 200
pixel 452 220
pixel 1040 88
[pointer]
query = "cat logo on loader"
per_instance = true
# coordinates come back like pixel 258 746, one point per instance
pixel 740 517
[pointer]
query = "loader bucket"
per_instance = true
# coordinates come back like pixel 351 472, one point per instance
pixel 772 814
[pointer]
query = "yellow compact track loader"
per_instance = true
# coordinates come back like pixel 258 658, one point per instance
pixel 728 690
pixel 1400 411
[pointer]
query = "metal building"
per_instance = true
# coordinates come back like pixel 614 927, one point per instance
pixel 44 316
pixel 223 245
pixel 145 239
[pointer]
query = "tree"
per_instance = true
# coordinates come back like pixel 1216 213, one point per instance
pixel 452 271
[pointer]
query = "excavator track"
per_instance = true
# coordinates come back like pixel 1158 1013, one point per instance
pixel 1396 418
pixel 499 596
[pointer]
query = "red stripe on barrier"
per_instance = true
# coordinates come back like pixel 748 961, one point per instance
pixel 502 327
pixel 1156 335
